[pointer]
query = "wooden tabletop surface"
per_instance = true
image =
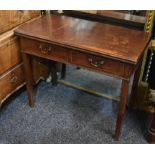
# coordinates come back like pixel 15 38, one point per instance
pixel 100 38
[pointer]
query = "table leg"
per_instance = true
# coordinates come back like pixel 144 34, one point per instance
pixel 54 73
pixel 134 87
pixel 28 77
pixel 121 107
pixel 63 71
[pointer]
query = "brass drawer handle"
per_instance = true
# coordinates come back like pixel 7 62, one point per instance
pixel 14 79
pixel 45 50
pixel 96 63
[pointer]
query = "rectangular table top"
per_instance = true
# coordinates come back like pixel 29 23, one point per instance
pixel 104 39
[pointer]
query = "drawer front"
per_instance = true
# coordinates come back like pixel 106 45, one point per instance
pixel 11 81
pixel 9 54
pixel 98 63
pixel 45 50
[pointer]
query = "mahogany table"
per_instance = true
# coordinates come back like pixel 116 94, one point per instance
pixel 108 49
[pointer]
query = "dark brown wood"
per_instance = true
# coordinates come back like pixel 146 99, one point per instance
pixel 48 51
pixel 29 78
pixel 103 39
pixel 67 55
pixel 40 68
pixel 105 48
pixel 121 107
pixel 98 63
pixel 135 85
pixel 151 129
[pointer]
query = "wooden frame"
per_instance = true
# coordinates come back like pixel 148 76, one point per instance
pixel 112 17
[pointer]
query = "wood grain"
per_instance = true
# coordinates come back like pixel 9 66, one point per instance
pixel 76 57
pixel 121 107
pixel 104 39
pixel 11 81
pixel 40 69
pixel 99 47
pixel 9 53
pixel 12 18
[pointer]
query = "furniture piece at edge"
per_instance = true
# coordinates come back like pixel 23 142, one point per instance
pixel 143 93
pixel 151 120
pixel 11 66
pixel 67 40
